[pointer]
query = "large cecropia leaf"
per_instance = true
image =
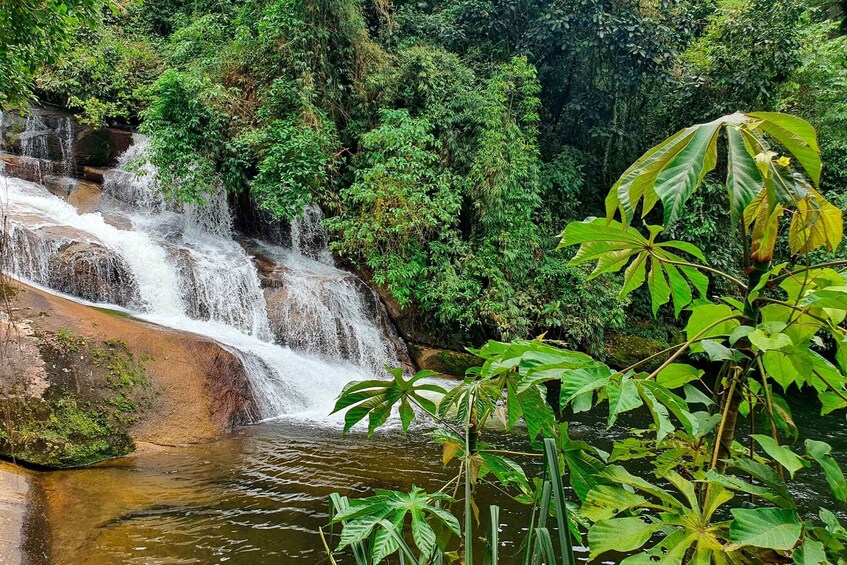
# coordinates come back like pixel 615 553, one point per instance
pixel 671 171
pixel 374 399
pixel 614 246
pixel 743 179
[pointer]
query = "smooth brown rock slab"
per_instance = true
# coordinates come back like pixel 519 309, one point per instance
pixel 14 491
pixel 203 388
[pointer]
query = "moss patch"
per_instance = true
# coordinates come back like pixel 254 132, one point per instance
pixel 95 394
pixel 623 350
pixel 61 430
pixel 444 361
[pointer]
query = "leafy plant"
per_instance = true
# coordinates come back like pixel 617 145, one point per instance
pixel 766 334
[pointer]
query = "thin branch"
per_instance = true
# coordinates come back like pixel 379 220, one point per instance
pixel 727 276
pixel 793 307
pixel 784 276
pixel 689 343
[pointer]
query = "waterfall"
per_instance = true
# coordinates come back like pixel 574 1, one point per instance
pixel 42 145
pixel 183 269
pixel 34 146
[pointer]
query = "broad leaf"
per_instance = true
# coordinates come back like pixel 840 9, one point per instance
pixel 621 534
pixel 770 528
pixel 743 180
pixel 822 453
pixel 782 454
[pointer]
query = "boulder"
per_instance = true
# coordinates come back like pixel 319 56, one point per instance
pixel 83 384
pixel 69 261
pixel 443 361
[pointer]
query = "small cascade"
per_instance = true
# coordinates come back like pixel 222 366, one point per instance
pixel 44 147
pixel 302 329
pixel 315 307
pixel 133 180
pixel 65 132
pixel 308 236
pixel 35 146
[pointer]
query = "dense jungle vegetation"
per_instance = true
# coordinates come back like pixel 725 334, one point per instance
pixel 693 151
pixel 448 142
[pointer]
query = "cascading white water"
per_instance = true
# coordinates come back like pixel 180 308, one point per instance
pixel 308 236
pixel 327 311
pixel 190 274
pixel 36 141
pixel 133 180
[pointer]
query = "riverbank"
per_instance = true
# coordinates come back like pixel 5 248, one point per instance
pixel 15 489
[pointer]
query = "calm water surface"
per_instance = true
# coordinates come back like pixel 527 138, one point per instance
pixel 260 495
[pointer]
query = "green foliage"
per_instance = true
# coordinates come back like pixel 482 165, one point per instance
pixel 402 202
pixel 682 514
pixel 295 161
pixel 103 75
pixel 35 33
pixel 188 143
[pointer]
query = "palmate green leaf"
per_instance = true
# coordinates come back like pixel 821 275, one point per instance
pixel 739 484
pixel 582 460
pixel 743 179
pixel 705 322
pixel 607 501
pixel 621 534
pixel 383 516
pixel 822 453
pixel 676 404
pixel 670 551
pixel 782 454
pixel 374 399
pixel 614 245
pixel 797 136
pixel 769 528
pixel 638 180
pixel 767 476
pixel 677 374
pixel 763 341
pixel 623 396
pixel 617 475
pixel 675 184
pixel 579 382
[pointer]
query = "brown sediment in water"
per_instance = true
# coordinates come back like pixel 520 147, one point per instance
pixel 15 486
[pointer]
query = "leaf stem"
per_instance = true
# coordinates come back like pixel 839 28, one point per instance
pixel 714 271
pixel 784 276
pixel 689 343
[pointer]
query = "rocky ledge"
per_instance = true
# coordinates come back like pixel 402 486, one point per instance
pixel 80 384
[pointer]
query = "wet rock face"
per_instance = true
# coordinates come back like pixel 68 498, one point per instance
pixel 71 262
pixel 64 145
pixel 92 272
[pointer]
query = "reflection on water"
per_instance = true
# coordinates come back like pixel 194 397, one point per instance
pixel 259 496
pixel 255 497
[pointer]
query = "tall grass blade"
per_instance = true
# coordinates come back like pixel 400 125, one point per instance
pixel 494 536
pixel 338 503
pixel 544 546
pixel 546 493
pixel 552 457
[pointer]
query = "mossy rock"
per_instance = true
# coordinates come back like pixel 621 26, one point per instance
pixel 623 350
pixel 444 361
pixel 60 431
